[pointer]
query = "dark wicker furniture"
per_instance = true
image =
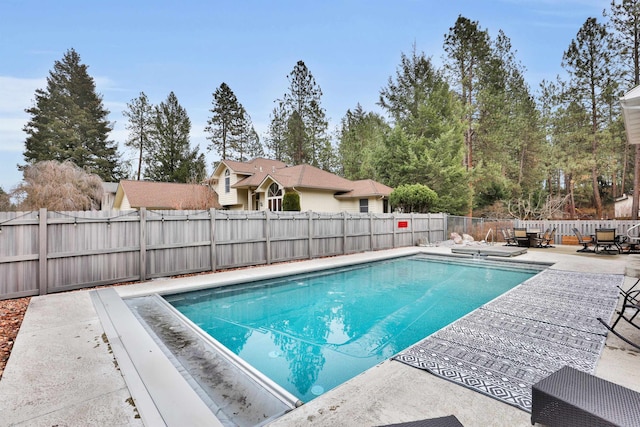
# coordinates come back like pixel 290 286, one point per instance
pixel 450 421
pixel 570 397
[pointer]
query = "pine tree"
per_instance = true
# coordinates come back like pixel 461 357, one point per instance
pixel 307 140
pixel 625 20
pixel 247 146
pixel 277 134
pixel 225 126
pixel 69 122
pixel 467 47
pixel 172 158
pixel 361 137
pixel 140 127
pixel 588 61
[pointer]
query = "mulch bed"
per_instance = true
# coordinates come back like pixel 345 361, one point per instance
pixel 11 314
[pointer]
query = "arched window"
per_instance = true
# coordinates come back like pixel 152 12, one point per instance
pixel 227 181
pixel 274 197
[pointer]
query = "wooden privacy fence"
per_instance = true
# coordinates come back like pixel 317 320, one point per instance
pixel 43 252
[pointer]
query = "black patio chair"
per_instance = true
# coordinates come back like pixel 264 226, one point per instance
pixel 520 234
pixel 584 241
pixel 631 305
pixel 449 421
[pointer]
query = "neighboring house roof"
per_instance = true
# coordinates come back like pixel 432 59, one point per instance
pixel 366 188
pixel 110 187
pixel 258 170
pixel 166 195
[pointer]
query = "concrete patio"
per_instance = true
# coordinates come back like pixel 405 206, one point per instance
pixel 62 370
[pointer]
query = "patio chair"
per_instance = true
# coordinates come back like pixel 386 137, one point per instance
pixel 509 239
pixel 631 304
pixel 606 238
pixel 548 237
pixel 584 241
pixel 520 234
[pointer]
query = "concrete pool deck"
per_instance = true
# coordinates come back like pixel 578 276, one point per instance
pixel 62 370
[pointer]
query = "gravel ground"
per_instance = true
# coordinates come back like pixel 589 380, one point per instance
pixel 11 314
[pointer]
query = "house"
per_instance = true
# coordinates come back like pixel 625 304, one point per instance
pixel 261 183
pixel 163 196
pixel 108 195
pixel 622 206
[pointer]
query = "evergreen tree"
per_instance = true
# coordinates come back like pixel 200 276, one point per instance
pixel 307 140
pixel 277 133
pixel 588 61
pixel 69 122
pixel 140 127
pixel 426 145
pixel 225 126
pixel 467 47
pixel 247 146
pixel 172 158
pixel 625 23
pixel 361 137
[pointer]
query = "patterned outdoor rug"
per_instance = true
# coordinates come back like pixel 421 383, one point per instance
pixel 509 344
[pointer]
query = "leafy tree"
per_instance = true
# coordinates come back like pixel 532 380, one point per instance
pixel 172 159
pixel 413 198
pixel 291 201
pixel 69 122
pixel 225 126
pixel 361 137
pixel 58 186
pixel 588 61
pixel 140 126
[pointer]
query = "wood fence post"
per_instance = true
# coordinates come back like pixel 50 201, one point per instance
pixel 393 227
pixel 267 232
pixel 143 244
pixel 42 251
pixel 310 213
pixel 413 236
pixel 371 231
pixel 344 232
pixel 212 231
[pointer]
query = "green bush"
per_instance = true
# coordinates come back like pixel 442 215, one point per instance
pixel 291 201
pixel 413 198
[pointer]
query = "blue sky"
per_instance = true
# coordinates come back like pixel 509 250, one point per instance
pixel 190 47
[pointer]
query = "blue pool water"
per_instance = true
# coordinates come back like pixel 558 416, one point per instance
pixel 312 332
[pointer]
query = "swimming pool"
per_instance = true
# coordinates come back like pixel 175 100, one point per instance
pixel 312 332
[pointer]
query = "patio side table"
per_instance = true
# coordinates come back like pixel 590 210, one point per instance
pixel 570 397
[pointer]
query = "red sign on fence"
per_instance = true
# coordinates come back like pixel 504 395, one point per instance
pixel 403 224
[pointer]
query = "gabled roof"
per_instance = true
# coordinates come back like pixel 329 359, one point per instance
pixel 366 188
pixel 166 195
pixel 257 165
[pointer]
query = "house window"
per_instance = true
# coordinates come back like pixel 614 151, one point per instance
pixel 274 197
pixel 227 181
pixel 364 205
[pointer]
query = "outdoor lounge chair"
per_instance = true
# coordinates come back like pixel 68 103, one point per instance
pixel 631 304
pixel 509 239
pixel 606 238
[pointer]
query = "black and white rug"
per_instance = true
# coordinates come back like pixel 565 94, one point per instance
pixel 512 342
